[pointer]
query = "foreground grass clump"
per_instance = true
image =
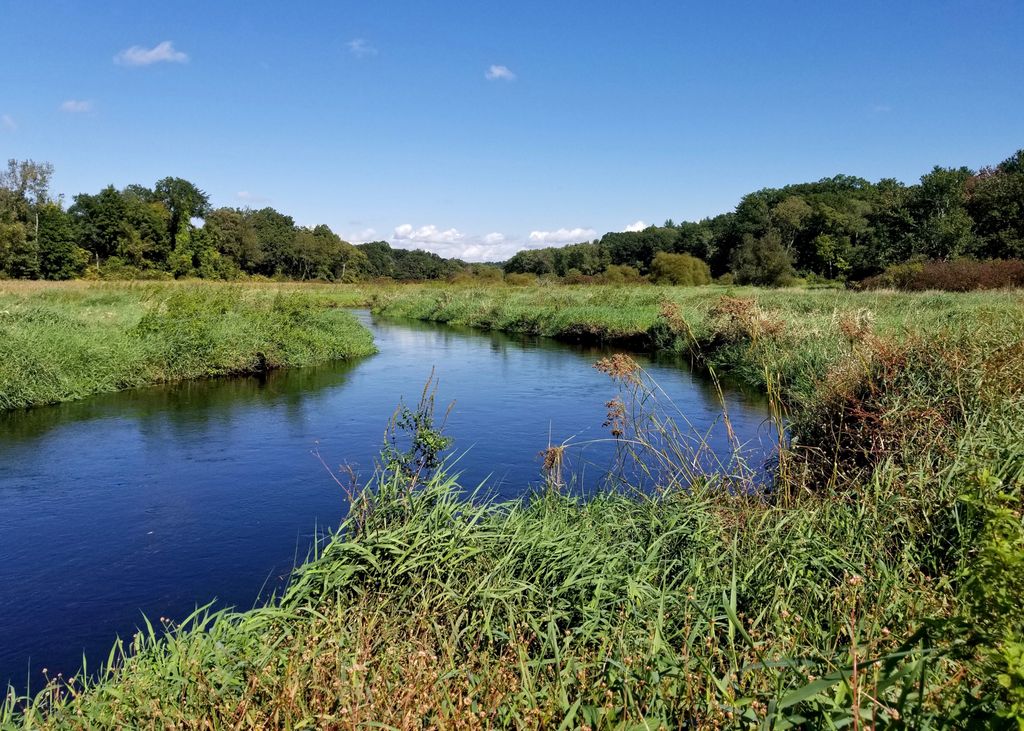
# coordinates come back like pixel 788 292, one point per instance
pixel 63 342
pixel 881 593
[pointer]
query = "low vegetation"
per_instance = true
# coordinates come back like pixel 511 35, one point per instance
pixel 876 582
pixel 64 342
pixel 961 275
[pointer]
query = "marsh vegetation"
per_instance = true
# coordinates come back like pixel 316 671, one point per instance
pixel 876 582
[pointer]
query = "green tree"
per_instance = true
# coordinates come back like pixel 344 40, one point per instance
pixel 60 257
pixel 763 261
pixel 234 236
pixel 183 200
pixel 996 206
pixel 275 233
pixel 940 209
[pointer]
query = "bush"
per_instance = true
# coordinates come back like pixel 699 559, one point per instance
pixel 679 269
pixel 959 275
pixel 520 280
pixel 621 274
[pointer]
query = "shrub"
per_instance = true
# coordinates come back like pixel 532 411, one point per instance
pixel 520 280
pixel 575 276
pixel 959 275
pixel 621 274
pixel 679 269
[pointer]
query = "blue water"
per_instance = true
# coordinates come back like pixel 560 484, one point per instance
pixel 155 500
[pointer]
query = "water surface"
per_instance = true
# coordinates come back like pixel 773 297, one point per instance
pixel 153 500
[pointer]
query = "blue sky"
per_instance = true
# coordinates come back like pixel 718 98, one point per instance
pixel 475 129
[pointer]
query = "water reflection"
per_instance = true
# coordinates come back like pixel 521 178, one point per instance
pixel 156 499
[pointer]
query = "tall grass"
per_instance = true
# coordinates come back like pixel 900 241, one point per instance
pixel 877 584
pixel 62 342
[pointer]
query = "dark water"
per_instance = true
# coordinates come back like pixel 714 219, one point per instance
pixel 151 501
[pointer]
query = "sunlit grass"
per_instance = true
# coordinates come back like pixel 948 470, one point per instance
pixel 876 583
pixel 60 342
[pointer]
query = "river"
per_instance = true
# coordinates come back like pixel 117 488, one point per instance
pixel 154 500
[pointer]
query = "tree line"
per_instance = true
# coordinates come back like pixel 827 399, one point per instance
pixel 172 230
pixel 841 227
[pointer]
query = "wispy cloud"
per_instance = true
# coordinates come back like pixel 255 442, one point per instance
pixel 8 123
pixel 637 225
pixel 562 236
pixel 497 72
pixel 362 236
pixel 361 48
pixel 251 198
pixel 77 106
pixel 881 108
pixel 140 56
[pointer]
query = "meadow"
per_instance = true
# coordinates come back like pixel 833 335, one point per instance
pixel 876 582
pixel 60 342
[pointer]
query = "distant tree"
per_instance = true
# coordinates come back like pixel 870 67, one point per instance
pixel 763 261
pixel 100 222
pixel 637 248
pixel 151 220
pixel 275 233
pixel 679 269
pixel 380 260
pixel 183 200
pixel 532 261
pixel 13 240
pixel 940 209
pixel 995 204
pixel 60 257
pixel 788 217
pixel 24 187
pixel 234 237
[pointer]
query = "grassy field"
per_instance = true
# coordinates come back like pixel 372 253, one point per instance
pixel 60 342
pixel 877 583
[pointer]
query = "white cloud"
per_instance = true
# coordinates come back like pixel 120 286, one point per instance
pixel 452 243
pixel 77 106
pixel 139 56
pixel 361 237
pixel 562 236
pixel 361 48
pixel 8 122
pixel 637 225
pixel 252 198
pixel 429 234
pixel 497 72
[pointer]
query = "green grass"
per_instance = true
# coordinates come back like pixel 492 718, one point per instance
pixel 68 341
pixel 809 340
pixel 877 585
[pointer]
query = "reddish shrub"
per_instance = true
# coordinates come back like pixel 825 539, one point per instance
pixel 960 275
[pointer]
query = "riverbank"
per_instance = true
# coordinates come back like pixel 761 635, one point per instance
pixel 880 578
pixel 60 342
